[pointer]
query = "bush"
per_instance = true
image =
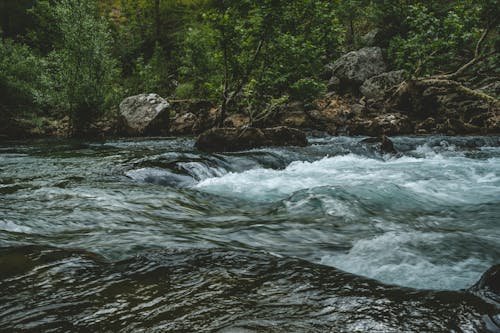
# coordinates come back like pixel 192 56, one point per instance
pixel 307 90
pixel 151 76
pixel 185 91
pixel 79 74
pixel 19 78
pixel 436 41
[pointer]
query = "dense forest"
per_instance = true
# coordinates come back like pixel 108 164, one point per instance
pixel 77 59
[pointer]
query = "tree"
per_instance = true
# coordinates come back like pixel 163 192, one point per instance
pixel 14 18
pixel 80 72
pixel 266 48
pixel 19 73
pixel 351 11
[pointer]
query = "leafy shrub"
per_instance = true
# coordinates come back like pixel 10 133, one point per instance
pixel 185 91
pixel 79 73
pixel 435 41
pixel 19 77
pixel 307 90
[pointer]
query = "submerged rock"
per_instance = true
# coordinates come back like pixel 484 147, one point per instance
pixel 381 144
pixel 489 284
pixel 145 114
pixel 160 177
pixel 234 139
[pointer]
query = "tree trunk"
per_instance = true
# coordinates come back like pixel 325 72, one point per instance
pixel 157 20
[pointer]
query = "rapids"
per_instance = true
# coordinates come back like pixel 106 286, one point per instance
pixel 287 220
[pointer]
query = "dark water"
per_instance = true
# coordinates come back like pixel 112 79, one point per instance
pixel 153 236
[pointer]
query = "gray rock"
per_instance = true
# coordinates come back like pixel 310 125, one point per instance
pixel 357 66
pixel 489 285
pixel 145 114
pixel 377 86
pixel 333 83
pixel 370 38
pixel 183 124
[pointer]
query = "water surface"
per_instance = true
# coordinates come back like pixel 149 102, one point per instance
pixel 427 218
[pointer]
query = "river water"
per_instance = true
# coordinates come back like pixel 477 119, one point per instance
pixel 150 235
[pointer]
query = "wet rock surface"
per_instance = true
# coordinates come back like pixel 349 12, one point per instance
pixel 381 144
pixel 234 139
pixel 489 284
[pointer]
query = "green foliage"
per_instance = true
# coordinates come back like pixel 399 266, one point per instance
pixel 307 90
pixel 19 73
pixel 201 66
pixel 151 76
pixel 80 71
pixel 185 91
pixel 262 48
pixel 45 33
pixel 352 13
pixel 433 42
pixel 14 18
pixel 79 58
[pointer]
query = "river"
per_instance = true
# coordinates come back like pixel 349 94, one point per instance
pixel 151 235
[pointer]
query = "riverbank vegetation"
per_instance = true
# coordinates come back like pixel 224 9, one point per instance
pixel 74 61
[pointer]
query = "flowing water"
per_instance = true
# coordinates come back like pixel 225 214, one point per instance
pixel 153 236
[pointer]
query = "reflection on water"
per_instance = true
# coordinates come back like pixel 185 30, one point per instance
pixel 50 290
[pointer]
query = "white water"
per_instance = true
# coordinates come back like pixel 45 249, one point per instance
pixel 426 218
pixel 429 227
pixel 446 180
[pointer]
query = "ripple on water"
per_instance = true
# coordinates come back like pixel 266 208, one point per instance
pixel 49 289
pixel 426 218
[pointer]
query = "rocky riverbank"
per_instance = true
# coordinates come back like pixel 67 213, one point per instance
pixel 363 98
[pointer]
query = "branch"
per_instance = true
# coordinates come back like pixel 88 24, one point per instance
pixel 421 63
pixel 249 71
pixel 477 56
pixel 466 91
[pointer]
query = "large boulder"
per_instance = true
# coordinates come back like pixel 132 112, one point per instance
pixel 145 114
pixel 377 86
pixel 234 139
pixel 356 67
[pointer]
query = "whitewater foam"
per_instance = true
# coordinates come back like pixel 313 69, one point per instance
pixel 448 180
pixel 399 258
